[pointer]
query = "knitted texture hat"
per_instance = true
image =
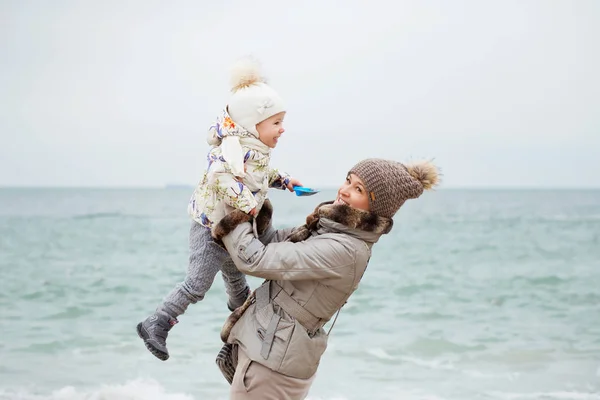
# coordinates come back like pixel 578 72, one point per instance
pixel 389 183
pixel 253 100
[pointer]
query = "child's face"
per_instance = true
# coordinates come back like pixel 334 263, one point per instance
pixel 271 129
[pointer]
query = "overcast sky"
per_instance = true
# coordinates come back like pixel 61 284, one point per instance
pixel 121 93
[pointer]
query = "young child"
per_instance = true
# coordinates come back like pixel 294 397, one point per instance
pixel 238 177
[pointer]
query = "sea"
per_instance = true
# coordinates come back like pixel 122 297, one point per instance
pixel 475 294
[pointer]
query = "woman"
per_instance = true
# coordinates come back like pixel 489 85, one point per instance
pixel 277 337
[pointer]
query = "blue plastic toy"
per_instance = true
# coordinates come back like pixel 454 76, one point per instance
pixel 304 191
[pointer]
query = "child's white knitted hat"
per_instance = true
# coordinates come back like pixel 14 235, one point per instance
pixel 253 100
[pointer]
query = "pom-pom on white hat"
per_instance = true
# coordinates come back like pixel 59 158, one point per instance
pixel 253 100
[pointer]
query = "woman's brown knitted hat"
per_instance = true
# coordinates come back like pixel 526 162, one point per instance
pixel 389 183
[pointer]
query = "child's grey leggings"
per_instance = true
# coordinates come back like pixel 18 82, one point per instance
pixel 206 259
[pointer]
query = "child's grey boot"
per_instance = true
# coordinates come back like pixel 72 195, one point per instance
pixel 154 331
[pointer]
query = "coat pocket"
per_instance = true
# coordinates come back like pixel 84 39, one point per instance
pixel 304 353
pixel 273 333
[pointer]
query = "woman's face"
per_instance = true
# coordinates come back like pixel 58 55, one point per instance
pixel 353 193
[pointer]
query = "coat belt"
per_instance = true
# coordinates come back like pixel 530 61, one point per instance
pixel 270 290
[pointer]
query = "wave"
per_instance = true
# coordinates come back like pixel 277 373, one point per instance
pixel 99 215
pixel 434 364
pixel 547 280
pixel 546 396
pixel 571 218
pixel 140 389
pixel 433 347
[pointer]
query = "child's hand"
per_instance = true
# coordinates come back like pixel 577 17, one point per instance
pixel 293 182
pixel 253 212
